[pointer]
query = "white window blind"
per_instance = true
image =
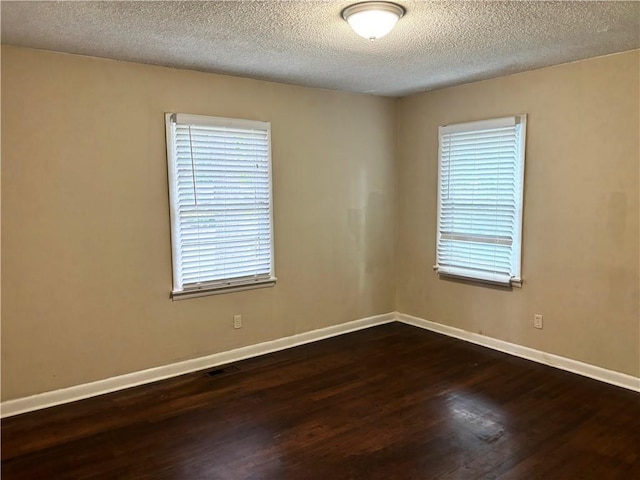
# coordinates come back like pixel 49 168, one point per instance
pixel 221 205
pixel 481 172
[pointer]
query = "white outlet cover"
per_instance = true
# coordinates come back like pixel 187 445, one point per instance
pixel 537 320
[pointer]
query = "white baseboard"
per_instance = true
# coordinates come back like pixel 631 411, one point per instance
pixel 598 373
pixel 99 387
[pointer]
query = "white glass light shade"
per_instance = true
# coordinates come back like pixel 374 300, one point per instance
pixel 373 20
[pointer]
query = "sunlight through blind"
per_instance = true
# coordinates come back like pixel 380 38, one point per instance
pixel 221 208
pixel 481 171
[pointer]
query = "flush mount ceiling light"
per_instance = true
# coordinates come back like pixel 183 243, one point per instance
pixel 373 20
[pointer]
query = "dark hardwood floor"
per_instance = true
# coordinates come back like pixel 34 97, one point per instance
pixel 390 402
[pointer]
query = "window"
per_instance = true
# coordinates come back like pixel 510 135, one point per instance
pixel 481 172
pixel 221 204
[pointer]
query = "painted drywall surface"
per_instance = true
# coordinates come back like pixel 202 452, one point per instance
pixel 86 264
pixel 580 235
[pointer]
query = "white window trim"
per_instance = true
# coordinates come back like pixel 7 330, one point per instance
pixel 516 279
pixel 216 287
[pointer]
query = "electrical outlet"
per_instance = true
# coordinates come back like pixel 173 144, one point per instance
pixel 237 321
pixel 537 320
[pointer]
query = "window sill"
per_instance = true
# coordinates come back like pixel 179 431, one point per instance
pixel 204 292
pixel 479 281
pixel 511 283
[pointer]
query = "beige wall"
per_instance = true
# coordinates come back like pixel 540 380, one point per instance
pixel 581 243
pixel 86 264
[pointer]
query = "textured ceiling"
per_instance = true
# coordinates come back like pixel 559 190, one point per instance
pixel 436 44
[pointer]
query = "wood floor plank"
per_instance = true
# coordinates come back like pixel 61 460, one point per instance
pixel 390 402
